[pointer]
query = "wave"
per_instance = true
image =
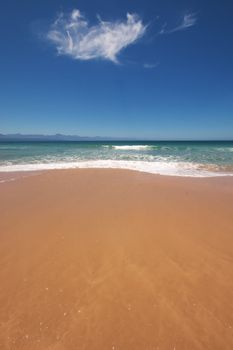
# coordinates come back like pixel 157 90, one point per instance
pixel 158 167
pixel 224 149
pixel 132 147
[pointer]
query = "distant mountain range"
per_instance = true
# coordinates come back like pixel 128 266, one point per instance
pixel 56 137
pixel 61 137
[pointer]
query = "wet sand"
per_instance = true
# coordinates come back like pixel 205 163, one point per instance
pixel 114 259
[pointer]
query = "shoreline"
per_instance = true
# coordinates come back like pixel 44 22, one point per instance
pixel 116 259
pixel 11 175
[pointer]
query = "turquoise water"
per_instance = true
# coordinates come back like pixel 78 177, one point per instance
pixel 168 158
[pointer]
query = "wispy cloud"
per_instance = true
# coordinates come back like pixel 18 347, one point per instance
pixel 73 36
pixel 150 65
pixel 189 20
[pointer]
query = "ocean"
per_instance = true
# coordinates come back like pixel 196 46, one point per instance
pixel 176 158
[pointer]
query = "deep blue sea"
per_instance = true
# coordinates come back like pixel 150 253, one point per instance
pixel 179 158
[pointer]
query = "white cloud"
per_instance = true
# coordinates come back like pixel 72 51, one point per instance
pixel 188 21
pixel 73 36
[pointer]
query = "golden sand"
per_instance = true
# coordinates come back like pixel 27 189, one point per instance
pixel 111 259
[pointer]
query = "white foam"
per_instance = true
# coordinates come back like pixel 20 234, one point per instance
pixel 132 147
pixel 156 167
pixel 8 180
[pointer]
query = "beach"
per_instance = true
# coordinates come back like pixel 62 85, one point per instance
pixel 116 259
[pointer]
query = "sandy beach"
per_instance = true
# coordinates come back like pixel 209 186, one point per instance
pixel 116 259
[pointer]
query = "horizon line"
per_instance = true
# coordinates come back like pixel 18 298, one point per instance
pixel 35 137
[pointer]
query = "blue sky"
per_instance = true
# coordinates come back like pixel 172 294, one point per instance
pixel 144 69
